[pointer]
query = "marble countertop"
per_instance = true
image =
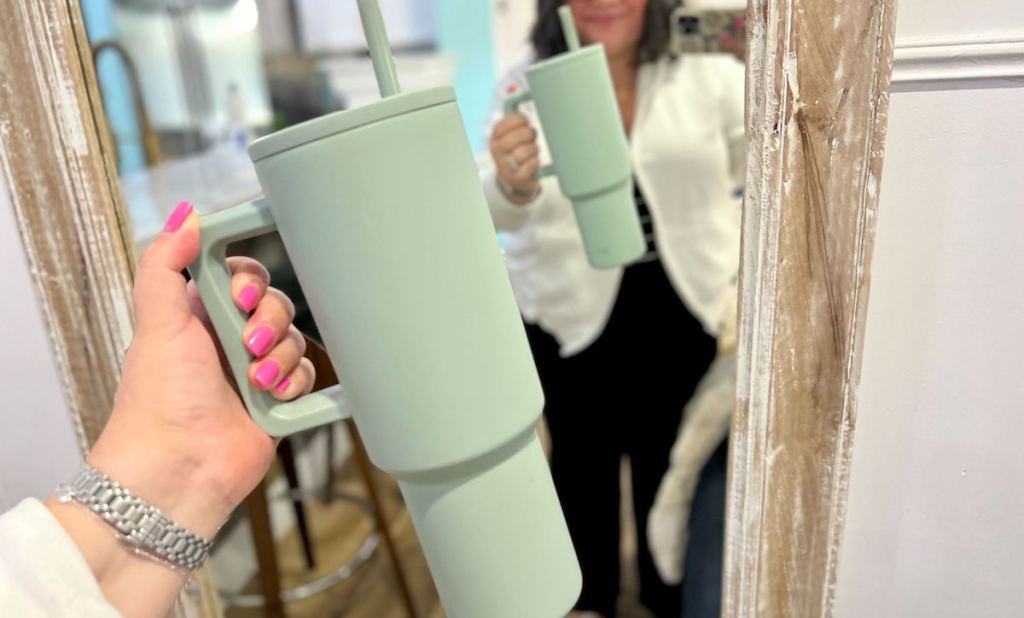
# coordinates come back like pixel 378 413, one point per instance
pixel 216 179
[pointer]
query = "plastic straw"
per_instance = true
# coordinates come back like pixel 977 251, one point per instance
pixel 380 49
pixel 572 38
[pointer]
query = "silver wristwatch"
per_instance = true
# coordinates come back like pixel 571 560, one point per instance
pixel 140 526
pixel 512 194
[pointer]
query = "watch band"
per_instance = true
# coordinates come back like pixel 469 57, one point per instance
pixel 512 193
pixel 141 526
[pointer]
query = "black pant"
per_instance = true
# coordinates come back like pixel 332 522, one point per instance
pixel 623 395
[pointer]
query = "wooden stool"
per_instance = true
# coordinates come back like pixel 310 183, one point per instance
pixel 256 504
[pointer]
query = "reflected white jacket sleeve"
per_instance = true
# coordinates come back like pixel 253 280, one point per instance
pixel 507 216
pixel 734 102
pixel 707 416
pixel 42 572
pixel 734 128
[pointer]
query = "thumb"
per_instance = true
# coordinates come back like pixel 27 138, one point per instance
pixel 159 294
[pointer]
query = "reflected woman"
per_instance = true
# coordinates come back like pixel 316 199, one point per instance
pixel 620 351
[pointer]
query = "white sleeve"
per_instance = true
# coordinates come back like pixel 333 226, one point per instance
pixel 733 78
pixel 507 216
pixel 42 572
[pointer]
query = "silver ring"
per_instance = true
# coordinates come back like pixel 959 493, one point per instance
pixel 512 162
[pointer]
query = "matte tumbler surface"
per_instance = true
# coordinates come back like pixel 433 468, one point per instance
pixel 381 212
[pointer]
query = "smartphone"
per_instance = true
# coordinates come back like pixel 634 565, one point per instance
pixel 706 31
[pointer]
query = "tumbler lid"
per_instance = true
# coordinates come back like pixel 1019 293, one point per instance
pixel 339 122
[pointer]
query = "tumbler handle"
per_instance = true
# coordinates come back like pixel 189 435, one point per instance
pixel 213 280
pixel 512 104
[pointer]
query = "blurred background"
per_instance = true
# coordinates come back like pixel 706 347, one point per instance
pixel 187 84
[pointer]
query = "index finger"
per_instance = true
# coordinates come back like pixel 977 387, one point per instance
pixel 249 281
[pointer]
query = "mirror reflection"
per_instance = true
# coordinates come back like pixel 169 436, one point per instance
pixel 621 352
pixel 636 361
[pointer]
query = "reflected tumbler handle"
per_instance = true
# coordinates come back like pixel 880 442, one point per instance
pixel 512 104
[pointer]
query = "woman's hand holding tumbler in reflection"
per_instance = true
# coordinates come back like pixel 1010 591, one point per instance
pixel 517 157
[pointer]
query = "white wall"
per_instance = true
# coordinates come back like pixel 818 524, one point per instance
pixel 228 43
pixel 275 28
pixel 37 445
pixel 513 20
pixel 934 521
pixel 332 26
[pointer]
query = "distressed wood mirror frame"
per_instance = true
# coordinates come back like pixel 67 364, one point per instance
pixel 818 83
pixel 818 76
pixel 59 168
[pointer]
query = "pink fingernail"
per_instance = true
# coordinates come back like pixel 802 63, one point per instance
pixel 267 373
pixel 178 216
pixel 285 383
pixel 248 297
pixel 259 341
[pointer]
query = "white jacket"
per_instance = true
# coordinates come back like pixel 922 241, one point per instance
pixel 42 573
pixel 688 149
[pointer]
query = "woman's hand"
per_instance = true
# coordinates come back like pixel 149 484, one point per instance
pixel 516 156
pixel 179 436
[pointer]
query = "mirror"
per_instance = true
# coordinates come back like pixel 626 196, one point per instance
pixel 622 352
pixel 637 363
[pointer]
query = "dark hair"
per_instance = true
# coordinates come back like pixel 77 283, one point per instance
pixel 548 41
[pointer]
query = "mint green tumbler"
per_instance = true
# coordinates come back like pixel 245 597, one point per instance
pixel 580 118
pixel 382 214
